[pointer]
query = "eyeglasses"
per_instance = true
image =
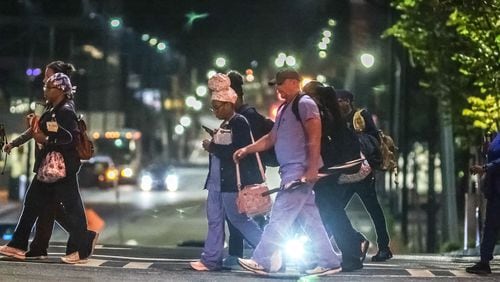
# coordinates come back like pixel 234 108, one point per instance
pixel 217 107
pixel 45 87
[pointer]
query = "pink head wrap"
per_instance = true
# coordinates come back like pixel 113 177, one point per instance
pixel 220 85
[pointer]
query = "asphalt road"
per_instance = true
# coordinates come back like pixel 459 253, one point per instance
pixel 119 263
pixel 152 236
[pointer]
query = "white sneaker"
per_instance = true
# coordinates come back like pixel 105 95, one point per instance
pixel 73 258
pixel 253 266
pixel 321 271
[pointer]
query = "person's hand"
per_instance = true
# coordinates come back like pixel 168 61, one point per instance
pixel 240 154
pixel 311 176
pixel 206 144
pixel 475 169
pixel 7 148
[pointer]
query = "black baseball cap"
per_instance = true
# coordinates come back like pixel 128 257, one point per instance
pixel 284 74
pixel 345 94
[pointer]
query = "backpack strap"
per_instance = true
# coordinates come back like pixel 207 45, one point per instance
pixel 295 106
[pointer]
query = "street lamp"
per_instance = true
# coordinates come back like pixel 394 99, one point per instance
pixel 179 129
pixel 201 91
pixel 211 73
pixel 290 61
pixel 162 46
pixel 185 121
pixel 321 78
pixel 190 101
pixel 220 62
pixel 153 41
pixel 115 23
pixel 367 60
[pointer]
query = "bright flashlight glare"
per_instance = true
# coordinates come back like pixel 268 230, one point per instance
pixel 294 248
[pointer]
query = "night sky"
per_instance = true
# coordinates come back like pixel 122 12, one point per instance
pixel 240 30
pixel 245 30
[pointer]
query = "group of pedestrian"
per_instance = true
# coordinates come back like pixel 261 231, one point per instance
pixel 54 131
pixel 304 125
pixel 315 143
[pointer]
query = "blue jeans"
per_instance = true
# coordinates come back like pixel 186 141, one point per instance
pixel 289 206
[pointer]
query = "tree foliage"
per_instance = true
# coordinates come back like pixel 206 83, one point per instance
pixel 457 42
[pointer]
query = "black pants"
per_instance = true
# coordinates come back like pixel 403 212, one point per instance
pixel 41 202
pixel 235 244
pixel 44 227
pixel 491 227
pixel 331 199
pixel 368 195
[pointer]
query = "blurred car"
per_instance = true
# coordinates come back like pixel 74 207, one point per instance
pixel 158 176
pixel 98 171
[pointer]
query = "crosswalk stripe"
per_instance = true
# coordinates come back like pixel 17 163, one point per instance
pixel 420 273
pixel 138 265
pixel 93 262
pixel 462 273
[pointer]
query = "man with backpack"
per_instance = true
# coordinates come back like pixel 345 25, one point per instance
pixel 370 142
pixel 297 145
pixel 339 148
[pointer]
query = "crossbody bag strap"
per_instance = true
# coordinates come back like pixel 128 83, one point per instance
pixel 259 162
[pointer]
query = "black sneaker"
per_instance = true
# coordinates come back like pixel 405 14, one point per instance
pixel 348 266
pixel 382 255
pixel 479 268
pixel 36 255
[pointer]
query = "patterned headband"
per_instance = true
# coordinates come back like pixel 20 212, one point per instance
pixel 62 82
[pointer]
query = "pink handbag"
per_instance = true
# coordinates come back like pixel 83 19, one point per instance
pixel 52 168
pixel 251 200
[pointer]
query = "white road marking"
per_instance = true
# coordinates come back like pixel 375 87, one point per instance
pixel 146 259
pixel 138 265
pixel 420 273
pixel 93 262
pixel 462 273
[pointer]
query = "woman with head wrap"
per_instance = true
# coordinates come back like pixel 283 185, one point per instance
pixel 234 133
pixel 55 132
pixel 44 224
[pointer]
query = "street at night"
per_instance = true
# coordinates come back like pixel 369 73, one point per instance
pixel 375 121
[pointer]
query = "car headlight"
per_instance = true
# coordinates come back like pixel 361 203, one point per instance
pixel 172 182
pixel 127 172
pixel 111 174
pixel 146 182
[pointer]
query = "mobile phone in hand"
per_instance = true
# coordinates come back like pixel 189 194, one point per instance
pixel 208 130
